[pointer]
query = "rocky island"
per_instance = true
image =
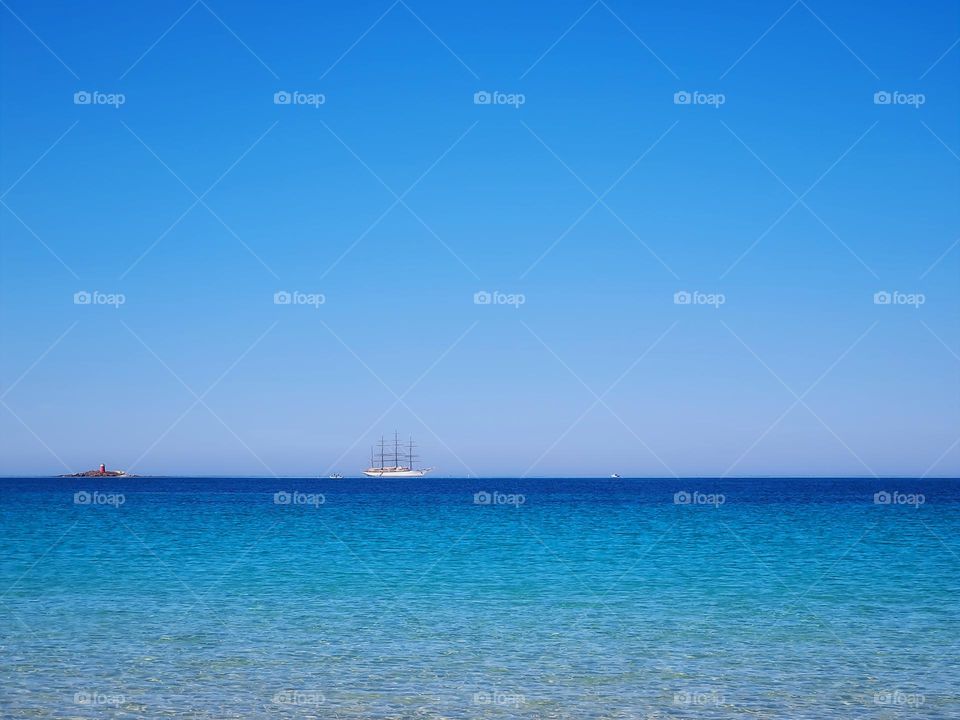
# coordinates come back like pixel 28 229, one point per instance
pixel 101 472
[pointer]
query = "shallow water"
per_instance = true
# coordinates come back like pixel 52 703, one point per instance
pixel 208 598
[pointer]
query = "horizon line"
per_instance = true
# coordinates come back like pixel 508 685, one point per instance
pixel 491 477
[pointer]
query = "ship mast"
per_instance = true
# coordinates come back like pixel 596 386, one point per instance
pixel 404 461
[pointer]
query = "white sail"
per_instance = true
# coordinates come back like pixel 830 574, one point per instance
pixel 402 462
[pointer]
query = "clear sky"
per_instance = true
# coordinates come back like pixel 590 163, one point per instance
pixel 786 188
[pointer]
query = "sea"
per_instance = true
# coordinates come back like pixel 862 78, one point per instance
pixel 479 598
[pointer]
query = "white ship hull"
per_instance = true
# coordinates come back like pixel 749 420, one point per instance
pixel 395 472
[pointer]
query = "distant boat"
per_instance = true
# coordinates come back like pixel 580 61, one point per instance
pixel 615 476
pixel 336 476
pixel 402 461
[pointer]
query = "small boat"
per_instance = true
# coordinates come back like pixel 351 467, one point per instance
pixel 615 476
pixel 335 476
pixel 402 461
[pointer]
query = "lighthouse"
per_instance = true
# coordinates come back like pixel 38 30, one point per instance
pixel 103 469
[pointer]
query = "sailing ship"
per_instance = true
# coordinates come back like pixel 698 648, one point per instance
pixel 398 463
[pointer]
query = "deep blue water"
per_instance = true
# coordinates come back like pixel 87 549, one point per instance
pixel 215 598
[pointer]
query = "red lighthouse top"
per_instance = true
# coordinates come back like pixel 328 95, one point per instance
pixel 103 468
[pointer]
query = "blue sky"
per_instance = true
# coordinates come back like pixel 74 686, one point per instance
pixel 785 189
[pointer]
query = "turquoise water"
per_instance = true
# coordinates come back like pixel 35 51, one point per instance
pixel 211 598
